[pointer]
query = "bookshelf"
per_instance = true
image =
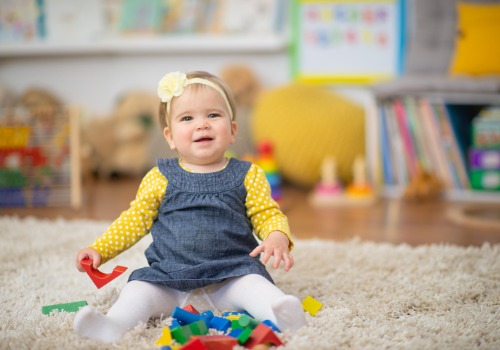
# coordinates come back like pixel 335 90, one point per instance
pixel 72 27
pixel 432 131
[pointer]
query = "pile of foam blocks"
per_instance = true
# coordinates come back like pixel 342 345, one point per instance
pixel 189 330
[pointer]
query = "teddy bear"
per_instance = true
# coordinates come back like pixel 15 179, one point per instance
pixel 423 186
pixel 124 143
pixel 246 87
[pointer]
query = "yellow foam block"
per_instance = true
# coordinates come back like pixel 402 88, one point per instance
pixel 233 317
pixel 311 305
pixel 165 338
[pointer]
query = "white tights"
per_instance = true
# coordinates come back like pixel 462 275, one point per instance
pixel 139 301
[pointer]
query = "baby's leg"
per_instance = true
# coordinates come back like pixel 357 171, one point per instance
pixel 262 299
pixel 137 302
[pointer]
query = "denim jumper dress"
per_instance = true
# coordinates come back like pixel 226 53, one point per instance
pixel 202 234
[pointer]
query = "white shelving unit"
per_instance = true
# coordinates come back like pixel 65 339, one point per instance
pixel 472 196
pixel 149 45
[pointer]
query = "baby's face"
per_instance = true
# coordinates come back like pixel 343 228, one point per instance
pixel 200 127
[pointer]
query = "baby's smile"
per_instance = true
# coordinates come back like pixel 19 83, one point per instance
pixel 204 139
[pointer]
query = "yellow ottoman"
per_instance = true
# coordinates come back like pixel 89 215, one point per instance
pixel 306 124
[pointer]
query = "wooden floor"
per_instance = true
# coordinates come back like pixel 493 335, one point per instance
pixel 386 221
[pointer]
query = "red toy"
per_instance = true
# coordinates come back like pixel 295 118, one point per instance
pixel 194 344
pixel 99 278
pixel 262 334
pixel 190 308
pixel 217 342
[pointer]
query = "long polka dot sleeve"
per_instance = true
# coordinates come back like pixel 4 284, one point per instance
pixel 135 222
pixel 262 209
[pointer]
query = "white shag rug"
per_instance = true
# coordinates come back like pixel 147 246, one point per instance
pixel 374 296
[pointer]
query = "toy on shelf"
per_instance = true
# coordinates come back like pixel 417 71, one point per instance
pixel 484 153
pixel 360 189
pixel 424 185
pixel 266 161
pixel 329 192
pixel 328 189
pixel 99 278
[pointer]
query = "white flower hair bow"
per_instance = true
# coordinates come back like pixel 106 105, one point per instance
pixel 171 85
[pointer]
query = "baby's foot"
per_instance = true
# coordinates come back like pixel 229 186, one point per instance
pixel 89 323
pixel 289 313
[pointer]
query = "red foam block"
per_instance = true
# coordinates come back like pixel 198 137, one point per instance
pixel 99 278
pixel 262 335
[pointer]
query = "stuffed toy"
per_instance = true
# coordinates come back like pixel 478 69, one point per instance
pixel 423 186
pixel 306 124
pixel 243 83
pixel 121 143
pixel 246 88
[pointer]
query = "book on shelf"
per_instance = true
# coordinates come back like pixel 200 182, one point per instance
pixel 254 17
pixel 422 151
pixel 21 21
pixel 456 161
pixel 408 142
pixel 393 152
pixel 436 152
pixel 72 20
pixel 385 147
pixel 137 17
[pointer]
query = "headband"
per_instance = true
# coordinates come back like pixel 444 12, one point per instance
pixel 174 83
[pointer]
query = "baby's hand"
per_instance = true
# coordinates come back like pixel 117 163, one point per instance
pixel 276 244
pixel 88 253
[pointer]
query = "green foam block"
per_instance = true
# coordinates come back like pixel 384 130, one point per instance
pixel 67 307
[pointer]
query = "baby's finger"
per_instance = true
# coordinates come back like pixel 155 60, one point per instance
pixel 267 255
pixel 79 258
pixel 278 255
pixel 257 251
pixel 288 259
pixel 96 261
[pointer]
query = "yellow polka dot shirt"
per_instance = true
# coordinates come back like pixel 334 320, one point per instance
pixel 136 222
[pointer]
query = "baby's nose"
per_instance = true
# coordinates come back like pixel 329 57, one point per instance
pixel 203 124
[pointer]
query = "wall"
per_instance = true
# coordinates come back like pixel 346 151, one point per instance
pixel 97 80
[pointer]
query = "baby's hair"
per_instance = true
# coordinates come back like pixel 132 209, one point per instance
pixel 203 75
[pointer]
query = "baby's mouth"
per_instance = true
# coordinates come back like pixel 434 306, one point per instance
pixel 204 139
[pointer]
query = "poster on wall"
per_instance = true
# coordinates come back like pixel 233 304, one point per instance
pixel 347 41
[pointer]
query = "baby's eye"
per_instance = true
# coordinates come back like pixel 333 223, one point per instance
pixel 186 118
pixel 213 115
